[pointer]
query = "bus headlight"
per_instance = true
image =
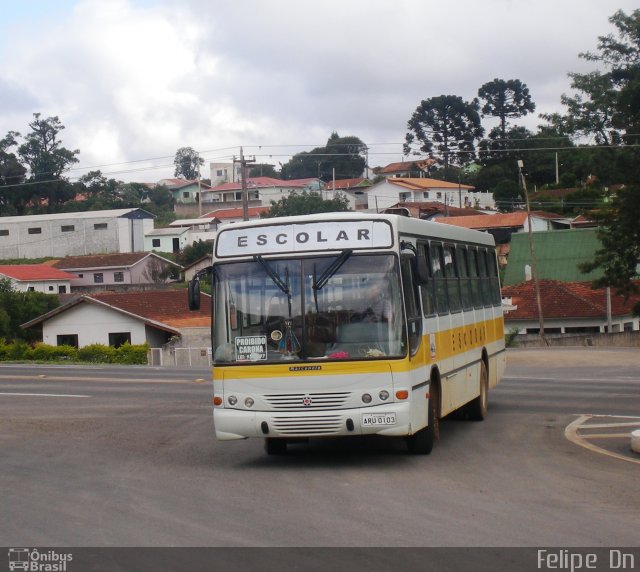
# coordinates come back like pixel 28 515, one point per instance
pixel 383 395
pixel 366 398
pixel 232 400
pixel 248 402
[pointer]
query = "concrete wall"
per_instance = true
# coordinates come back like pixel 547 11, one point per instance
pixel 45 286
pixel 622 339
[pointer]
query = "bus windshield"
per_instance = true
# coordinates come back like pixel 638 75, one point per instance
pixel 345 306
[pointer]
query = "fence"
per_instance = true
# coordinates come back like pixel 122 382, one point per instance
pixel 179 357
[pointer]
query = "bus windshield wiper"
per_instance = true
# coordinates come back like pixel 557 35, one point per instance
pixel 273 275
pixel 332 269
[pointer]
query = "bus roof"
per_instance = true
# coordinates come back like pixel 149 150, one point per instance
pixel 402 225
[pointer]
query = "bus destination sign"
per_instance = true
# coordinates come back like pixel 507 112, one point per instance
pixel 306 237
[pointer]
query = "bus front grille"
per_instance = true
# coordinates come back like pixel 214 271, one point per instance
pixel 307 426
pixel 305 401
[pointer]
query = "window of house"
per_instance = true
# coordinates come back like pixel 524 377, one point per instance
pixel 80 275
pixel 119 338
pixel 425 194
pixel 438 195
pixel 219 173
pixel 4 232
pixel 30 289
pixel 98 277
pixel 67 228
pixel 62 289
pixel 50 288
pixel 404 197
pixel 118 276
pixel 185 194
pixel 100 226
pixel 35 230
pixel 67 340
pixel 155 242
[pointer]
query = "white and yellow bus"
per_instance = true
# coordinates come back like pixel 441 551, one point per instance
pixel 345 324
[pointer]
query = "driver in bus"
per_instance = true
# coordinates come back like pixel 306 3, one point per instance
pixel 377 306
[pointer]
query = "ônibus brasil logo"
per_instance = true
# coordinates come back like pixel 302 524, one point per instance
pixel 31 559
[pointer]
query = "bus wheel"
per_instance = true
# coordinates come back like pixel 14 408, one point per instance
pixel 477 409
pixel 421 443
pixel 275 446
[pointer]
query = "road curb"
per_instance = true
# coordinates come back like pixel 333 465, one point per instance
pixel 635 441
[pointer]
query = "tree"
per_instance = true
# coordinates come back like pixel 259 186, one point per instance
pixel 607 104
pixel 504 99
pixel 194 252
pixel 47 160
pixel 620 237
pixel 263 170
pixel 11 173
pixel 188 163
pixel 447 123
pixel 307 203
pixel 341 154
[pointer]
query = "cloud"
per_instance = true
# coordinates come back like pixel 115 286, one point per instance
pixel 139 79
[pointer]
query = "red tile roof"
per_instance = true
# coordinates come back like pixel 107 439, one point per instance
pixel 26 272
pixel 500 220
pixel 104 260
pixel 405 166
pixel 345 183
pixel 263 182
pixel 424 183
pixel 165 306
pixel 564 300
pixel 163 309
pixel 224 214
pixel 418 209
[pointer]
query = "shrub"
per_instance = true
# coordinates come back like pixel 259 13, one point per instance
pixel 129 354
pixel 97 353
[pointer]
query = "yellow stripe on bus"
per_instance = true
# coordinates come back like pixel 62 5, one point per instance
pixel 449 343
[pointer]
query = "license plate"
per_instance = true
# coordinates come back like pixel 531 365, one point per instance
pixel 377 419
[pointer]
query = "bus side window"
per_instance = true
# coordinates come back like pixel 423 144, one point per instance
pixel 474 276
pixel 492 261
pixel 439 280
pixel 485 287
pixel 465 281
pixel 450 271
pixel 426 290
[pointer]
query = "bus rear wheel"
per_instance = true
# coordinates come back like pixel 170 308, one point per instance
pixel 477 409
pixel 421 443
pixel 275 446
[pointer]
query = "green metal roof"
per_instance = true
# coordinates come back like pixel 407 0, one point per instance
pixel 558 253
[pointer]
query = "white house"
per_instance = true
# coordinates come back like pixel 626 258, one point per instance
pixel 167 239
pixel 152 317
pixel 135 268
pixel 37 278
pixel 390 191
pixel 72 234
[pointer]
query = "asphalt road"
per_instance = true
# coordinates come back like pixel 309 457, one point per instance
pixel 110 456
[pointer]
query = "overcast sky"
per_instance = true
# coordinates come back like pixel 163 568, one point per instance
pixel 134 80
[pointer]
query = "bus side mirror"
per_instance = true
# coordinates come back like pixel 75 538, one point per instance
pixel 422 270
pixel 194 294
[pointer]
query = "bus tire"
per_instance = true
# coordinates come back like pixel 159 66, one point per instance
pixel 477 409
pixel 275 446
pixel 421 442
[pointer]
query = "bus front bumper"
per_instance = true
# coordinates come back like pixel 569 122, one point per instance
pixel 393 420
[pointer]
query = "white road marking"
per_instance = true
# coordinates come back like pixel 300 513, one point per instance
pixel 572 434
pixel 44 394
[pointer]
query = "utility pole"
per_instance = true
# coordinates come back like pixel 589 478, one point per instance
pixel 243 182
pixel 534 265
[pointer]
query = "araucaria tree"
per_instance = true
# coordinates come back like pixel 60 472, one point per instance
pixel 47 160
pixel 445 128
pixel 187 162
pixel 505 99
